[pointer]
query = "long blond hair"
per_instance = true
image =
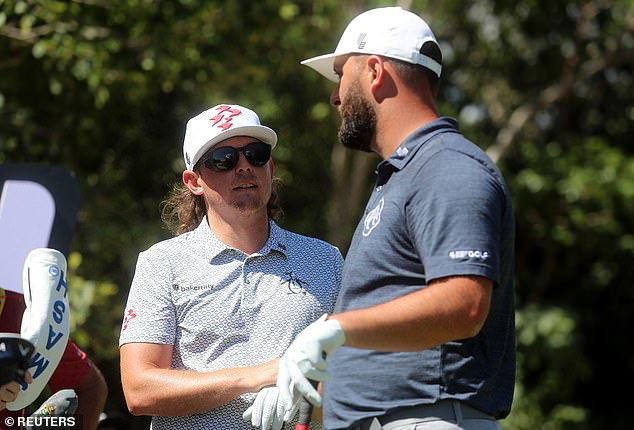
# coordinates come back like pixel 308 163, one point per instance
pixel 182 210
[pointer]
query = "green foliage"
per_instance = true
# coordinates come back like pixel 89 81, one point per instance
pixel 104 88
pixel 550 367
pixel 96 316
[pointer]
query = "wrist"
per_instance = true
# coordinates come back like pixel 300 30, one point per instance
pixel 335 332
pixel 263 375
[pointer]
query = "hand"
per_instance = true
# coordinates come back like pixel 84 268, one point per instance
pixel 8 393
pixel 266 412
pixel 306 358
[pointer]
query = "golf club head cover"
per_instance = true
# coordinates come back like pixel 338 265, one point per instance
pixel 46 320
pixel 15 358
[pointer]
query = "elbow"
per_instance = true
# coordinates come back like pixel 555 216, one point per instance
pixel 137 405
pixel 476 309
pixel 472 329
pixel 475 318
pixel 134 410
pixel 138 401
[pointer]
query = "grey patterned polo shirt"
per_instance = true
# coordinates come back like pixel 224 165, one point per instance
pixel 221 308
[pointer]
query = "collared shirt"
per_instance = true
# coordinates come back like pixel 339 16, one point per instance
pixel 221 308
pixel 440 208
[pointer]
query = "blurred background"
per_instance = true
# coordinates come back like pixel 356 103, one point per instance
pixel 103 88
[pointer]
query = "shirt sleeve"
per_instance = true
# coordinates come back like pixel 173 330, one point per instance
pixel 338 269
pixel 455 217
pixel 149 315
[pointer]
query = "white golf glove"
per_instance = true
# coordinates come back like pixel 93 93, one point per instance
pixel 305 359
pixel 267 411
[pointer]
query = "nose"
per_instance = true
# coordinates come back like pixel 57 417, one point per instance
pixel 334 96
pixel 243 164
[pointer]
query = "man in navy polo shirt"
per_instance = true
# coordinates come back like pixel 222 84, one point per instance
pixel 423 329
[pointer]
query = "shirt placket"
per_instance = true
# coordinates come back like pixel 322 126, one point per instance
pixel 248 282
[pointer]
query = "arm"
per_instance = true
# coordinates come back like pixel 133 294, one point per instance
pixel 151 387
pixel 77 371
pixel 92 393
pixel 448 309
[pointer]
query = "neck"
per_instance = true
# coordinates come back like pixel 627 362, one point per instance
pixel 400 115
pixel 247 232
pixel 397 125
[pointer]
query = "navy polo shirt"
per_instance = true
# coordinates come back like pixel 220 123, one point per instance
pixel 439 208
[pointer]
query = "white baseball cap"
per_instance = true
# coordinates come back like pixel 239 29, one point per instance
pixel 220 123
pixel 390 32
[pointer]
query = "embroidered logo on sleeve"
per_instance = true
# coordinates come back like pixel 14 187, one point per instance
pixel 472 253
pixel 372 219
pixel 130 315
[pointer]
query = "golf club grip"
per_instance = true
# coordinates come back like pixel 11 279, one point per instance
pixel 305 412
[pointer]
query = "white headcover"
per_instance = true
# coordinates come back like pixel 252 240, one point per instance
pixel 46 320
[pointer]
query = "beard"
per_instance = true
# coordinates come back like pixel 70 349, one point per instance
pixel 252 200
pixel 358 121
pixel 249 204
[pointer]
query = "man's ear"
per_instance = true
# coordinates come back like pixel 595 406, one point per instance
pixel 382 83
pixel 192 182
pixel 377 71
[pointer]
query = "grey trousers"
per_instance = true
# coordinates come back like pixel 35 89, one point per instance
pixel 444 415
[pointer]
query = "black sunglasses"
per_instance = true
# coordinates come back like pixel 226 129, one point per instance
pixel 226 158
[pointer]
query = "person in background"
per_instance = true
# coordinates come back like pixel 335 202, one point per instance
pixel 75 370
pixel 211 310
pixel 423 329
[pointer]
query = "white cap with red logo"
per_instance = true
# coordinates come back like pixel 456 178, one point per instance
pixel 220 123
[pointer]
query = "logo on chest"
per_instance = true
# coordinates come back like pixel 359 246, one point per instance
pixel 372 219
pixel 294 284
pixel 191 288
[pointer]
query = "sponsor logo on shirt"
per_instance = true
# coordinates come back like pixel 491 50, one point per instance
pixel 473 253
pixel 294 284
pixel 372 219
pixel 401 152
pixel 129 316
pixel 177 287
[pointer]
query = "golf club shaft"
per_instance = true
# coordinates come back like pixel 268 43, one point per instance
pixel 305 412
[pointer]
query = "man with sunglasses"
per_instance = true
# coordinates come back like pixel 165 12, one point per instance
pixel 211 310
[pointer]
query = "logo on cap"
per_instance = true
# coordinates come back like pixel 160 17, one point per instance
pixel 223 120
pixel 361 40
